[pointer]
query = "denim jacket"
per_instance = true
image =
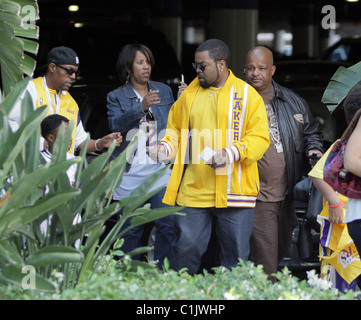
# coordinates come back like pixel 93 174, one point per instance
pixel 125 110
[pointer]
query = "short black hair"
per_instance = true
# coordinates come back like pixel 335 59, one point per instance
pixel 352 103
pixel 126 58
pixel 51 123
pixel 216 48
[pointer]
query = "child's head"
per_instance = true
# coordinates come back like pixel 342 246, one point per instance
pixel 352 103
pixel 50 127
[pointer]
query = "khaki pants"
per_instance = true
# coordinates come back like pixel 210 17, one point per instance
pixel 272 233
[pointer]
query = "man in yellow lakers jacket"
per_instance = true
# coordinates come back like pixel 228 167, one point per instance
pixel 52 90
pixel 216 132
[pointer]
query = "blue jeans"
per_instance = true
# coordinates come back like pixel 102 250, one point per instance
pixel 233 228
pixel 354 230
pixel 164 235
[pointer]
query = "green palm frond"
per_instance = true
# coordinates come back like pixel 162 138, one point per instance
pixel 18 33
pixel 340 85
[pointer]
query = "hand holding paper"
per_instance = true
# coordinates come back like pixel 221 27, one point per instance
pixel 215 159
pixel 206 155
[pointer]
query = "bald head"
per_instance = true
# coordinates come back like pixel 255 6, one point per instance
pixel 259 68
pixel 261 51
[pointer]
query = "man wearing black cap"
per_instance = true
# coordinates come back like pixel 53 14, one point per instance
pixel 52 88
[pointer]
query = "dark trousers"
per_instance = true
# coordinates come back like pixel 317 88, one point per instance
pixel 232 225
pixel 354 230
pixel 272 233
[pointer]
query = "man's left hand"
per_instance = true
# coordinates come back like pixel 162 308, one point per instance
pixel 219 160
pixel 314 154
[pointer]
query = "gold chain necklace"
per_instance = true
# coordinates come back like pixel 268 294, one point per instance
pixel 213 90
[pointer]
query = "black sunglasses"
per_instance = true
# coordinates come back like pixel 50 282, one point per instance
pixel 198 65
pixel 70 71
pixel 202 67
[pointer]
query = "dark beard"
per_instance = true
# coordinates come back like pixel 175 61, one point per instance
pixel 204 84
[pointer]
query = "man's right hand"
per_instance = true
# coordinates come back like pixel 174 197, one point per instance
pixel 158 153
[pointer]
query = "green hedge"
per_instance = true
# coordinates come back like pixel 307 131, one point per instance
pixel 126 281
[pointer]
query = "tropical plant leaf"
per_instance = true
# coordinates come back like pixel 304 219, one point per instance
pixel 18 275
pixel 14 145
pixel 53 255
pixel 88 192
pixel 8 252
pixel 11 7
pixel 140 195
pixel 32 33
pixel 95 167
pixel 25 185
pixel 27 65
pixel 26 214
pixel 91 253
pixel 10 17
pixel 17 20
pixel 340 85
pixel 13 96
pixel 150 215
pixel 139 250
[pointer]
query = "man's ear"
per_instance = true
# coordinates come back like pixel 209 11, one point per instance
pixel 222 64
pixel 273 70
pixel 50 137
pixel 51 67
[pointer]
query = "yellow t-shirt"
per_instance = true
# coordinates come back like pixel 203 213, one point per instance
pixel 199 182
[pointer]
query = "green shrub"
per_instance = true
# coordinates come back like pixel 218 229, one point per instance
pixel 122 281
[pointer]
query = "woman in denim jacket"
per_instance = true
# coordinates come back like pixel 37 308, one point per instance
pixel 141 105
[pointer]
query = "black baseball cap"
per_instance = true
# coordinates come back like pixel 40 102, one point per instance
pixel 62 55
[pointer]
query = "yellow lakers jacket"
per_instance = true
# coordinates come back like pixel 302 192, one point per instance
pixel 242 121
pixel 58 102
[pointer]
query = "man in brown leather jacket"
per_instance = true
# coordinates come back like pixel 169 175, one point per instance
pixel 294 134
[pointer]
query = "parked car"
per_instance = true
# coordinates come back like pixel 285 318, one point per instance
pixel 346 49
pixel 309 78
